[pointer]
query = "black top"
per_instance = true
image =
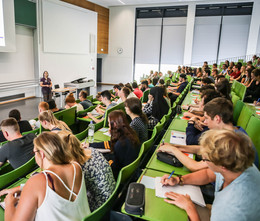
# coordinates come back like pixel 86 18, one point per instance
pixel 253 90
pixel 182 86
pixel 18 151
pixel 193 134
pixel 24 127
pixel 140 128
pixel 86 104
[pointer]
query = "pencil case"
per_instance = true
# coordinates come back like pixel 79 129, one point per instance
pixel 169 159
pixel 135 199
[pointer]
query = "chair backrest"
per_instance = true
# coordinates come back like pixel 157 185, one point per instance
pixel 242 91
pixel 234 98
pixel 144 98
pixel 244 116
pixel 90 97
pixel 237 110
pixel 68 116
pixel 147 144
pixel 13 175
pixel 120 106
pixel 84 112
pixel 128 170
pixel 99 213
pixel 160 125
pixel 35 131
pixel 82 135
pixel 252 129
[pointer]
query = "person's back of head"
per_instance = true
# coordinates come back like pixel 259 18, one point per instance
pixel 83 94
pixel 116 86
pixel 206 81
pixel 223 87
pixel 145 83
pixel 128 85
pixel 135 106
pixel 10 129
pixel 214 65
pixel 219 77
pixel 74 146
pixel 161 81
pixel 43 106
pixel 256 72
pixel 120 129
pixel 160 105
pixel 206 86
pixel 125 91
pixel 207 71
pixel 239 64
pixel 209 95
pixel 134 85
pixel 183 76
pixel 121 85
pixel 155 80
pixel 15 114
pixel 52 104
pixel 54 149
pixel 70 99
pixel 222 107
pixel 231 150
pixel 106 94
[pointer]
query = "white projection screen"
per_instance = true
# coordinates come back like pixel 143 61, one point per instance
pixel 7 26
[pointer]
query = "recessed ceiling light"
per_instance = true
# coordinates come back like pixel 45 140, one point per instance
pixel 121 2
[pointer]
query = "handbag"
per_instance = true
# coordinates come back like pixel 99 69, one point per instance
pixel 169 159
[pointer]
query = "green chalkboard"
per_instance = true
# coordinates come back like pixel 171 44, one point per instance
pixel 25 13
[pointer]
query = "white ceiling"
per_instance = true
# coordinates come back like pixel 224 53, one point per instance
pixel 108 3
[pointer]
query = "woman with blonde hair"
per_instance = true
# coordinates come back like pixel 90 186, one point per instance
pixel 49 122
pixel 57 193
pixel 99 179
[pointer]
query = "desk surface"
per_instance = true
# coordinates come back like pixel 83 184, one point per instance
pixel 155 207
pixel 99 136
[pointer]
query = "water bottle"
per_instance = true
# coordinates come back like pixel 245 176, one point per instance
pixel 91 130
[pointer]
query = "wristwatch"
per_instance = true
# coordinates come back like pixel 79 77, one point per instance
pixel 180 180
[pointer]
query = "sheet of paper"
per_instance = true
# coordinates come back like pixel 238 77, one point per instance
pixel 107 134
pixel 104 129
pixel 2 204
pixel 194 191
pixel 94 113
pixel 178 137
pixel 149 182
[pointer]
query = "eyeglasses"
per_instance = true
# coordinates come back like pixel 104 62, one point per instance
pixel 204 160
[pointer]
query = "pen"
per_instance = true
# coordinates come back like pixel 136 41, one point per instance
pixel 178 137
pixel 163 142
pixel 171 174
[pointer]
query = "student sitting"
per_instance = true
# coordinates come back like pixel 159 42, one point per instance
pixel 19 148
pixel 174 92
pixel 144 86
pixel 53 106
pixel 57 193
pixel 99 179
pixel 124 145
pixel 49 122
pixel 218 115
pixel 71 102
pixel 229 157
pixel 43 106
pixel 253 91
pixel 137 91
pixel 133 108
pixel 24 125
pixel 83 99
pixel 156 106
pixel 106 99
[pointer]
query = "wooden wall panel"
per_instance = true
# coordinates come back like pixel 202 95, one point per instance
pixel 103 23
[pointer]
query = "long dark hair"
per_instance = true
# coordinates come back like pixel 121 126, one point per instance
pixel 135 106
pixel 160 105
pixel 120 129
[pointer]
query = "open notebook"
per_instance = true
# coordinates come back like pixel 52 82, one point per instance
pixel 178 137
pixel 194 191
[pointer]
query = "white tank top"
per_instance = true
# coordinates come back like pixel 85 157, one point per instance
pixel 55 208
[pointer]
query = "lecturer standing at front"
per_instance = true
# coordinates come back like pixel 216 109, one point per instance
pixel 46 85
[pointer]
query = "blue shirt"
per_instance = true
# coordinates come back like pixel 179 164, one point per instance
pixel 240 200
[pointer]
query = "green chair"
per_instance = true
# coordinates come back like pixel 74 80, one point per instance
pixel 13 175
pixel 82 135
pixel 147 144
pixel 252 129
pixel 237 110
pixel 160 125
pixel 244 116
pixel 5 168
pixel 120 106
pixel 90 97
pixel 84 112
pixel 144 98
pixel 102 211
pixel 35 131
pixel 68 116
pixel 235 99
